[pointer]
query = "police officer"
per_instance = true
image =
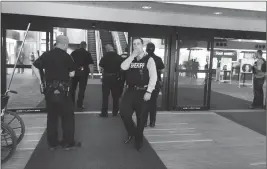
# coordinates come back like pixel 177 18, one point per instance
pixel 58 67
pixel 141 78
pixel 85 64
pixel 110 63
pixel 150 49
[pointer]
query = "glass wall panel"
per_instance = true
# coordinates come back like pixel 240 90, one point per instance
pixel 24 80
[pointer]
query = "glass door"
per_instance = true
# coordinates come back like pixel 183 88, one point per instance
pixel 193 70
pixel 24 80
pixel 161 50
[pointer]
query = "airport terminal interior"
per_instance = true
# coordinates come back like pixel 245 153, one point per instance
pixel 203 120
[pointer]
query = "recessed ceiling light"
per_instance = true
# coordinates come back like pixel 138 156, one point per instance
pixel 146 7
pixel 217 13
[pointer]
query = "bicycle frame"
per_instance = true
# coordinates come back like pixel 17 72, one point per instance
pixel 7 96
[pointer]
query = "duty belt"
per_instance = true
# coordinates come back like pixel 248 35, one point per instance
pixel 62 86
pixel 137 87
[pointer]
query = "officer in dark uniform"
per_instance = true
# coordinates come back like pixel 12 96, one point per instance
pixel 110 64
pixel 141 78
pixel 150 49
pixel 85 65
pixel 59 67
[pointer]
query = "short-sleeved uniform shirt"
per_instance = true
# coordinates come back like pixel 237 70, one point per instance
pixel 57 64
pixel 111 62
pixel 82 58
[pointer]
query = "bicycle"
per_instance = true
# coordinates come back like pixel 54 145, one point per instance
pixel 12 119
pixel 7 146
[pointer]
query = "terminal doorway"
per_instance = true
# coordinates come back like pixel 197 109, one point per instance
pixel 192 74
pixel 232 83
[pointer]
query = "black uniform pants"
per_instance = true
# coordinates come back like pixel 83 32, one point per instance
pixel 152 111
pixel 122 81
pixel 110 83
pixel 133 100
pixel 63 109
pixel 81 78
pixel 258 92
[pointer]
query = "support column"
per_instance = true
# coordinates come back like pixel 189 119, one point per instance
pixel 172 73
pixel 3 61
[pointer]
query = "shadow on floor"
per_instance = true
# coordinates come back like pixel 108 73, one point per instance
pixel 255 121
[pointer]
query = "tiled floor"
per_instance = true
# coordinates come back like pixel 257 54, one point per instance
pixel 35 127
pixel 202 140
pixel 206 140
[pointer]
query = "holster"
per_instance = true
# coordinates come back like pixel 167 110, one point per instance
pixel 79 71
pixel 158 85
pixel 55 91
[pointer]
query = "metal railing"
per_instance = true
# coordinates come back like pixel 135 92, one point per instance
pixel 99 50
pixel 126 36
pixel 116 41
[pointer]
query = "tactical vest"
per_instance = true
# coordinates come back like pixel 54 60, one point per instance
pixel 137 74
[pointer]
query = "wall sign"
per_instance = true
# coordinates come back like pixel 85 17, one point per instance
pixel 226 54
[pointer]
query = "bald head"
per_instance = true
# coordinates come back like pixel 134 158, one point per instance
pixel 109 48
pixel 83 44
pixel 62 42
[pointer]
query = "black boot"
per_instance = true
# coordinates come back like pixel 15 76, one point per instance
pixel 114 114
pixel 103 115
pixel 138 144
pixel 152 124
pixel 72 146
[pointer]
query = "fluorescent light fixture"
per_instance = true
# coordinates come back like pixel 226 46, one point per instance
pixel 217 13
pixel 146 7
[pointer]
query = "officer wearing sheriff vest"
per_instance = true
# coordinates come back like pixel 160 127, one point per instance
pixel 141 78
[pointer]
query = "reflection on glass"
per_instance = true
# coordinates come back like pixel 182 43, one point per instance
pixel 194 59
pixel 28 88
pixel 192 73
pixel 33 43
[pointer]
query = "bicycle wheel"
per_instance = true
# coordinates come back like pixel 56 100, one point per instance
pixel 8 147
pixel 16 123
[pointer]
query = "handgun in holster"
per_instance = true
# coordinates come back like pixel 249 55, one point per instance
pixel 43 83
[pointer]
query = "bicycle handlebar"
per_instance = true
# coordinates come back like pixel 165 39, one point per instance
pixel 11 91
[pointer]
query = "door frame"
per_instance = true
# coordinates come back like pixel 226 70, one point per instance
pixel 167 57
pixel 4 66
pixel 207 85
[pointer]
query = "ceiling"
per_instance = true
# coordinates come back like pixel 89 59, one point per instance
pixel 230 4
pixel 174 8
